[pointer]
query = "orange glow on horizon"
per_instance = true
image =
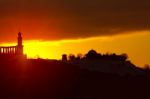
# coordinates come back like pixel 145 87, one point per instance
pixel 135 45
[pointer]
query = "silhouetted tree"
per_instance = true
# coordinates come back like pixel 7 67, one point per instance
pixel 71 57
pixel 124 56
pixel 79 56
pixel 92 54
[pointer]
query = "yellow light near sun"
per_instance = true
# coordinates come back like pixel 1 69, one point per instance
pixel 138 54
pixel 136 45
pixel 42 49
pixel 35 49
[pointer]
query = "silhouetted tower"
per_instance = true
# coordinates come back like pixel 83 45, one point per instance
pixel 64 57
pixel 20 46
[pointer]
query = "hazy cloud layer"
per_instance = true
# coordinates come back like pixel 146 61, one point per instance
pixel 63 19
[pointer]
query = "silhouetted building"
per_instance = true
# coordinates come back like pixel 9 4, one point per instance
pixel 13 51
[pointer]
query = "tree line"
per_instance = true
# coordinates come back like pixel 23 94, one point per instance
pixel 93 55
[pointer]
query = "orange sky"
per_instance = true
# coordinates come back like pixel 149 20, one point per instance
pixel 136 45
pixel 53 27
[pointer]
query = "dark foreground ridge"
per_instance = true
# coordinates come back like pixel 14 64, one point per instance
pixel 45 79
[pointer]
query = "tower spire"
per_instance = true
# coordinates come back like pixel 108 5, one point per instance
pixel 19 39
pixel 20 46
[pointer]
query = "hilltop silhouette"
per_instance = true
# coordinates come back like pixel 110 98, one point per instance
pixel 89 76
pixel 107 63
pixel 47 79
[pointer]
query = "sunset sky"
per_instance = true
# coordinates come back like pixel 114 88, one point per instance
pixel 53 27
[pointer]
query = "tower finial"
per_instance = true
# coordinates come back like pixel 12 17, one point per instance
pixel 19 34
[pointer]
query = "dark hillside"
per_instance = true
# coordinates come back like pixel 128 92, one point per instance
pixel 45 79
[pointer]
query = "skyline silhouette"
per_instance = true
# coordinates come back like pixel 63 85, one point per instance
pixel 18 50
pixel 93 76
pixel 74 49
pixel 76 26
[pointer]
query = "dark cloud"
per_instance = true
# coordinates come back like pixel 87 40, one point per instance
pixel 63 19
